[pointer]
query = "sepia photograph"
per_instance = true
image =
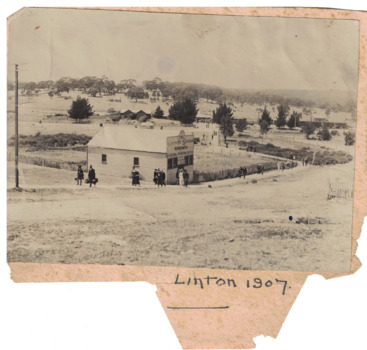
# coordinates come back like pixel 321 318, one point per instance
pixel 182 140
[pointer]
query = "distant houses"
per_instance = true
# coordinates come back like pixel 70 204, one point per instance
pixel 320 120
pixel 318 123
pixel 127 114
pixel 204 119
pixel 140 116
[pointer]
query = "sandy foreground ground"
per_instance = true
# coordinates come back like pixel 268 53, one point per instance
pixel 233 224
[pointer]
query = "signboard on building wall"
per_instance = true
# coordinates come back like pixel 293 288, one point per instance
pixel 180 146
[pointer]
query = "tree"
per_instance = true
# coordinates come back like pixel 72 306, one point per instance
pixel 150 85
pixel 184 111
pixel 30 94
pixel 62 85
pixel 182 92
pixel 293 120
pixel 324 133
pixel 136 93
pixel 166 92
pixel 110 86
pixel 226 126
pixel 265 115
pixel 86 83
pixel 99 85
pixel 45 84
pixel 154 84
pixel 308 129
pixel 241 124
pixel 349 138
pixel 93 91
pixel 264 127
pixel 283 111
pixel 220 112
pixel 212 93
pixel 80 109
pixel 127 83
pixel 31 86
pixel 158 113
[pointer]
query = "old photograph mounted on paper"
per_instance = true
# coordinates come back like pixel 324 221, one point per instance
pixel 202 141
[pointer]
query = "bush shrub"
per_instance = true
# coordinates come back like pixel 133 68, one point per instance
pixel 41 142
pixel 349 138
pixel 322 157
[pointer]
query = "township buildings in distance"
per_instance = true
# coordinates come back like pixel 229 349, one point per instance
pixel 116 150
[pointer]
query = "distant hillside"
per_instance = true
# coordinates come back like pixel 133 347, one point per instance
pixel 332 97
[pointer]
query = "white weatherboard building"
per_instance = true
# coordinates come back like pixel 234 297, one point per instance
pixel 114 151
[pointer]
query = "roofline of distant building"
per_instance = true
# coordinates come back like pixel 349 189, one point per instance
pixel 125 149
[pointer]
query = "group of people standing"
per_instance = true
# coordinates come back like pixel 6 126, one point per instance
pixel 92 180
pixel 242 171
pixel 182 177
pixel 159 177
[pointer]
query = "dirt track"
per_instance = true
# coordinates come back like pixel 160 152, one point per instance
pixel 235 224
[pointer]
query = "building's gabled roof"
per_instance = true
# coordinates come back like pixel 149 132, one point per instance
pixel 133 139
pixel 127 112
pixel 141 112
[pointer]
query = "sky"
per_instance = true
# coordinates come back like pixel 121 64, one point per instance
pixel 226 51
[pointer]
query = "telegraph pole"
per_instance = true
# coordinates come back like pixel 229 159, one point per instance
pixel 16 128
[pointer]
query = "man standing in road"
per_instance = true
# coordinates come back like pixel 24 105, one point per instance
pixel 91 176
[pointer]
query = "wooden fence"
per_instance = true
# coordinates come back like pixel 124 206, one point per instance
pixel 340 188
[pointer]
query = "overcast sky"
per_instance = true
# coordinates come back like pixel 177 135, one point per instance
pixel 227 51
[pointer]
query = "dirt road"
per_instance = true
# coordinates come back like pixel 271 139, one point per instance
pixel 282 222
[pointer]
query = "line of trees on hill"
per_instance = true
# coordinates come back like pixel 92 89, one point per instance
pixel 177 91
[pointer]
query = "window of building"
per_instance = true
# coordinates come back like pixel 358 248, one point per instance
pixel 104 158
pixel 136 161
pixel 189 160
pixel 174 162
pixel 169 163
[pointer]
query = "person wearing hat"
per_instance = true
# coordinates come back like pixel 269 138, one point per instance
pixel 91 176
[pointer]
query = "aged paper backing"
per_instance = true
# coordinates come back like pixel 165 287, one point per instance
pixel 227 328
